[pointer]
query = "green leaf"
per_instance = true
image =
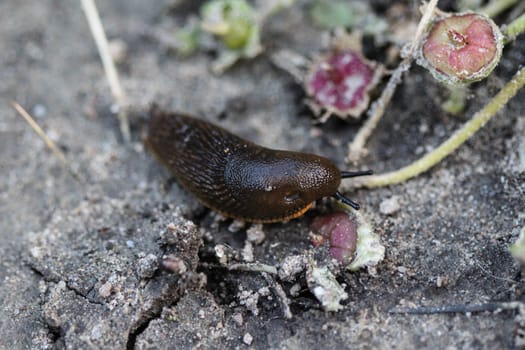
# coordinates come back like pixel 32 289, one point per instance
pixel 333 14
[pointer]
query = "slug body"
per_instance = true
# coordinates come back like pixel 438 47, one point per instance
pixel 236 177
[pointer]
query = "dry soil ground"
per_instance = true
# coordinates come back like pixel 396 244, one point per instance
pixel 77 260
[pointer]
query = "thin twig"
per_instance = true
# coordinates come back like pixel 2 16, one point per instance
pixel 267 271
pixel 447 309
pixel 356 148
pixel 97 30
pixel 253 267
pixel 450 145
pixel 513 29
pixel 281 295
pixel 49 143
pixel 495 7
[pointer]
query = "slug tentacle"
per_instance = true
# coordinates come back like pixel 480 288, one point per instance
pixel 348 174
pixel 237 177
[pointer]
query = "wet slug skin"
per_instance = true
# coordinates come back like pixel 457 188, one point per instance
pixel 236 177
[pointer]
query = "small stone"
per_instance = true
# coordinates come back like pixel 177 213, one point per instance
pixel 236 226
pixel 255 234
pixel 295 290
pixel 389 206
pixel 179 229
pixel 39 111
pixel 249 299
pixel 42 286
pixel 36 252
pixel 291 266
pixel 247 252
pixel 61 286
pixel 238 319
pixel 247 339
pixel 220 253
pixel 174 264
pixel 264 291
pixel 441 281
pixel 118 49
pixel 147 266
pixel 105 290
pixel 96 332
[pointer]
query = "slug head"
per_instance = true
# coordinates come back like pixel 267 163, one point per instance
pixel 281 185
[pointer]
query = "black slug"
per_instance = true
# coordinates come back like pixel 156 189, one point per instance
pixel 238 178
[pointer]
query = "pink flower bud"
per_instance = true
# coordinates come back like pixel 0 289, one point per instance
pixel 462 48
pixel 340 83
pixel 341 231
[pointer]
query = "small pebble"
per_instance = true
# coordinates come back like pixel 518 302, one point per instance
pixel 118 50
pixel 96 332
pixel 61 285
pixel 247 339
pixel 255 234
pixel 250 299
pixel 105 290
pixel 147 266
pixel 402 269
pixel 389 206
pixel 295 290
pixel 174 264
pixel 247 252
pixel 441 281
pixel 236 226
pixel 238 319
pixel 291 266
pixel 39 111
pixel 220 253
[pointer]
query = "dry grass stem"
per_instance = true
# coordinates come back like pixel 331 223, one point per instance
pixel 97 30
pixel 356 149
pixel 49 143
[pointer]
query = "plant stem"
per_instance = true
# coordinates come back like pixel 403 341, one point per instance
pixel 357 147
pixel 451 144
pixel 514 28
pixel 49 143
pixel 495 7
pixel 99 35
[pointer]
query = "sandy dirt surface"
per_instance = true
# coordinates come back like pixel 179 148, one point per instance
pixel 80 262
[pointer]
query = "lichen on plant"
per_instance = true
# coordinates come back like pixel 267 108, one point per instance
pixel 323 284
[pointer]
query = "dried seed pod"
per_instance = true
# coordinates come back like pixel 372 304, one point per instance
pixel 461 48
pixel 340 82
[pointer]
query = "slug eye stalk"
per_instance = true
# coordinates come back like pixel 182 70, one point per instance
pixel 346 200
pixel 347 174
pixel 344 175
